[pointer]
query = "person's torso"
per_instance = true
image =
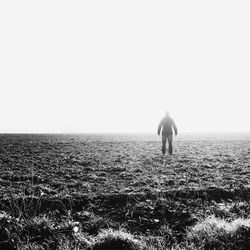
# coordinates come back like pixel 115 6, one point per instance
pixel 167 125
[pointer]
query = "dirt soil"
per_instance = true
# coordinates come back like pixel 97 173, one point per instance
pixel 125 179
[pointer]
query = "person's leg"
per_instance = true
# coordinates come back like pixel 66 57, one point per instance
pixel 164 140
pixel 170 145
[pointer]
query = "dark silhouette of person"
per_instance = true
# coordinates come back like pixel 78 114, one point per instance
pixel 165 128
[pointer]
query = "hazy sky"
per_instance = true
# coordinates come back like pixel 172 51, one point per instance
pixel 116 66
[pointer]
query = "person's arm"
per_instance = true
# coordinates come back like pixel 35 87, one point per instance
pixel 159 128
pixel 175 128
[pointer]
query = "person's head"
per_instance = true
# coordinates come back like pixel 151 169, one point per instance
pixel 167 113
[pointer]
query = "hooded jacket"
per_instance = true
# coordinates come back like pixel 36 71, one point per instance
pixel 166 126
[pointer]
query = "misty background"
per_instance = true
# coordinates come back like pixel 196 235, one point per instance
pixel 113 66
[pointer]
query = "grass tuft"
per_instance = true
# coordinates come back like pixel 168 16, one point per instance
pixel 215 233
pixel 116 239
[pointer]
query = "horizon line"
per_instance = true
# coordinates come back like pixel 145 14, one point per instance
pixel 130 132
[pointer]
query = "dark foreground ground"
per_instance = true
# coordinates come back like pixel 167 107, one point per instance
pixel 64 191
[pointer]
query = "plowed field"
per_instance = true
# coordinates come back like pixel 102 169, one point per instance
pixel 125 181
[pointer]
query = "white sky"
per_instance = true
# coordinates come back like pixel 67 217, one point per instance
pixel 116 66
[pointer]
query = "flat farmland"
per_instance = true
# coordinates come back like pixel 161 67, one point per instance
pixel 111 182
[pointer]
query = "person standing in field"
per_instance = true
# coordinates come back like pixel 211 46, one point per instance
pixel 165 128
